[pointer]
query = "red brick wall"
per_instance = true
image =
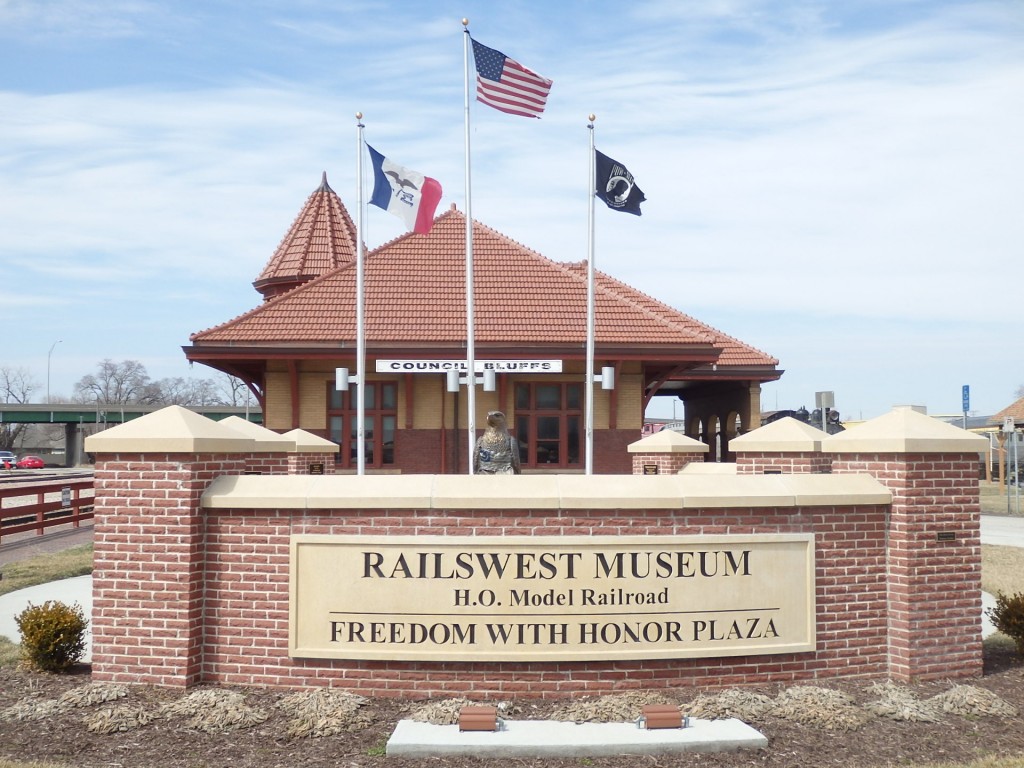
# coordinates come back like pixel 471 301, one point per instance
pixel 247 604
pixel 764 462
pixel 244 556
pixel 420 450
pixel 147 621
pixel 611 456
pixel 934 594
pixel 267 463
pixel 299 463
pixel 667 463
pixel 183 596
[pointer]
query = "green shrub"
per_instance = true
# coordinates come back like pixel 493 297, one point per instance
pixel 1008 617
pixel 52 635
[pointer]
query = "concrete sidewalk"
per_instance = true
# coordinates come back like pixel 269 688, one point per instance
pixel 69 591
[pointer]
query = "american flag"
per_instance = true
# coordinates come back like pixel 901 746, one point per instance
pixel 507 85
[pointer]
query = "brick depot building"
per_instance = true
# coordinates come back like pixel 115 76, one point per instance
pixel 526 307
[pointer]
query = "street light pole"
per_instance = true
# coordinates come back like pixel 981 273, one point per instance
pixel 48 356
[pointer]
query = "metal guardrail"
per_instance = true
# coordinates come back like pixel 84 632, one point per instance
pixel 40 506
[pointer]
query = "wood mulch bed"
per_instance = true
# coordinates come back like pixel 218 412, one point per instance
pixel 253 728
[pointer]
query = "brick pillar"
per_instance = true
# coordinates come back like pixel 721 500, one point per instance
pixel 308 463
pixel 149 546
pixel 782 462
pixel 786 446
pixel 148 566
pixel 311 453
pixel 933 538
pixel 669 451
pixel 663 463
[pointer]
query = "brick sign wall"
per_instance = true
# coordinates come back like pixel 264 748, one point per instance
pixel 197 575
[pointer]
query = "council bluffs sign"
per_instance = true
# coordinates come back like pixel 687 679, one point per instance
pixel 571 598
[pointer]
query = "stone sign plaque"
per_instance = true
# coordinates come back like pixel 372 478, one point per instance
pixel 571 598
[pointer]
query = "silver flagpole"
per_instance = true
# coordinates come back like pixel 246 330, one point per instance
pixel 360 314
pixel 589 418
pixel 470 351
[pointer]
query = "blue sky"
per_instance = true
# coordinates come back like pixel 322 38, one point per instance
pixel 837 184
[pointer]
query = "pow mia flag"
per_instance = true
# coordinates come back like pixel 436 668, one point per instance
pixel 614 184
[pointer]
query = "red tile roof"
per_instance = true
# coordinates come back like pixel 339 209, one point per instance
pixel 734 351
pixel 415 295
pixel 321 239
pixel 1015 410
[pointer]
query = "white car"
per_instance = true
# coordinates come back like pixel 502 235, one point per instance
pixel 7 460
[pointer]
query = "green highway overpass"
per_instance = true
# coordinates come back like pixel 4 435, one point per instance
pixel 77 413
pixel 79 419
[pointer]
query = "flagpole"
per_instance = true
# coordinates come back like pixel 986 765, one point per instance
pixel 589 416
pixel 470 333
pixel 360 315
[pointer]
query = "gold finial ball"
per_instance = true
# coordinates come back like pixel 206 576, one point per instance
pixel 359 115
pixel 592 117
pixel 465 21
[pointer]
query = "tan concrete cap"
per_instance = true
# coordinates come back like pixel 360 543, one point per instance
pixel 741 491
pixel 787 435
pixel 307 442
pixel 904 430
pixel 619 492
pixel 170 430
pixel 480 493
pixel 709 468
pixel 667 441
pixel 496 491
pixel 811 490
pixel 266 440
pixel 320 492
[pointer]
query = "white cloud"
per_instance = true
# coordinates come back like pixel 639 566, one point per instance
pixel 796 160
pixel 76 18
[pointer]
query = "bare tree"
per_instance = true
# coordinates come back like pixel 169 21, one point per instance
pixel 198 392
pixel 113 383
pixel 232 390
pixel 16 386
pixel 128 383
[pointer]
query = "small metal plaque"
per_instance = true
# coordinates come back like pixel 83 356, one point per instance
pixel 478 718
pixel 661 716
pixel 945 536
pixel 316 468
pixel 650 469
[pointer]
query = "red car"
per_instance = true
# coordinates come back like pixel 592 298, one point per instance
pixel 30 462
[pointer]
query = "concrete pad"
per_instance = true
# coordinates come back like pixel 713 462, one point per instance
pixel 550 738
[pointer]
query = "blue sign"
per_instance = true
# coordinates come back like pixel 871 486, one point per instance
pixel 967 397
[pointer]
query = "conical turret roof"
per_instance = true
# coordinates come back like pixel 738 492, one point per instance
pixel 321 239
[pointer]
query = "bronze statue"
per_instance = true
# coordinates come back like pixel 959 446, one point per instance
pixel 497 452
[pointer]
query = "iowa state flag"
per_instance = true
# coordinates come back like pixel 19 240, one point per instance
pixel 406 193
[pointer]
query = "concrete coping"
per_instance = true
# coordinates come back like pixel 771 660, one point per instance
pixel 709 468
pixel 905 430
pixel 307 442
pixel 173 429
pixel 553 492
pixel 787 435
pixel 667 441
pixel 266 440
